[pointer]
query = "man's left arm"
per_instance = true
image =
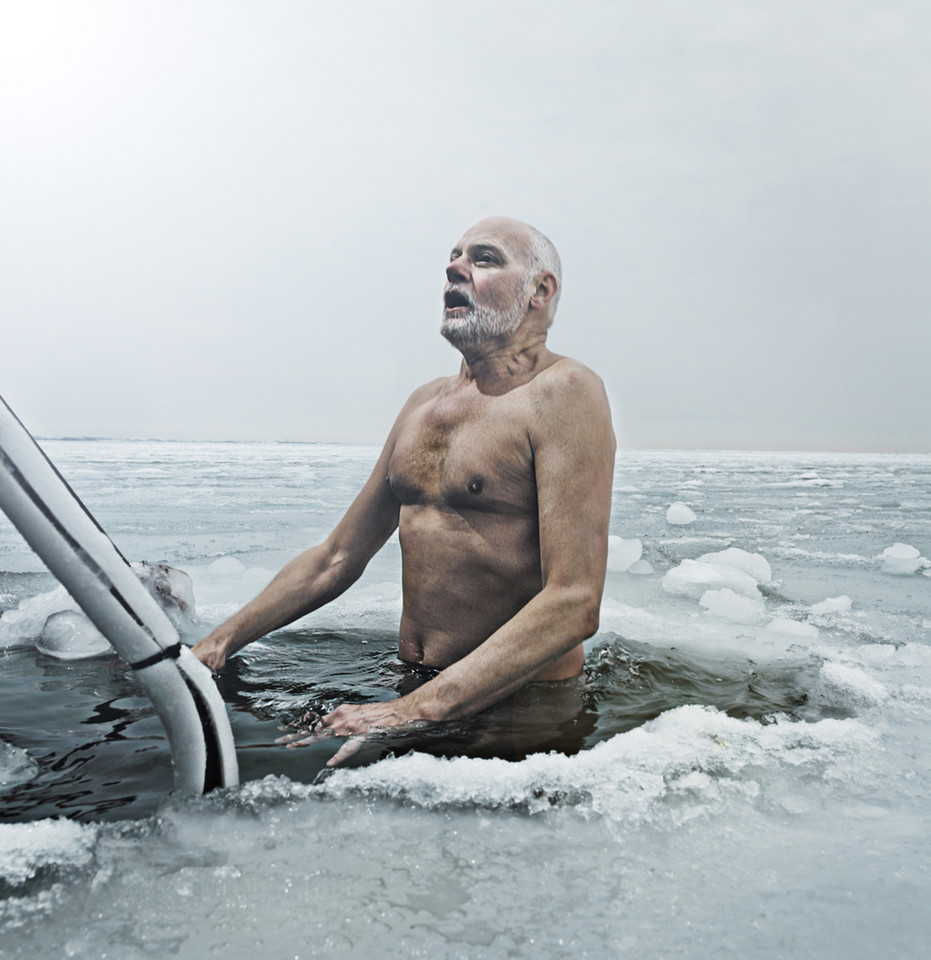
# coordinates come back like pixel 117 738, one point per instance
pixel 573 448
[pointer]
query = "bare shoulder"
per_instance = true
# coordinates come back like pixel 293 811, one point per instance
pixel 423 394
pixel 569 382
pixel 427 391
pixel 570 410
pixel 565 369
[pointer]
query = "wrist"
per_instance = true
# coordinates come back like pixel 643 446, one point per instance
pixel 424 704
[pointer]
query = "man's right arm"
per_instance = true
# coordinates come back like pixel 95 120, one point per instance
pixel 318 575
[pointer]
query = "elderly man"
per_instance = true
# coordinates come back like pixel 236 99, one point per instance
pixel 498 480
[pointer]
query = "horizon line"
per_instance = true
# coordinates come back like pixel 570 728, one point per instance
pixel 621 448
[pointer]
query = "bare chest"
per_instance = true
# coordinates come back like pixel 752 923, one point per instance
pixel 465 455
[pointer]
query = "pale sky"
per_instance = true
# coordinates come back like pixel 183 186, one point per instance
pixel 229 220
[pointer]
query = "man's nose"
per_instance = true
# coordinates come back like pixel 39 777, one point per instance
pixel 457 269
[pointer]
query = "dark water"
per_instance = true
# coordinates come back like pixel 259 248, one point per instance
pixel 102 753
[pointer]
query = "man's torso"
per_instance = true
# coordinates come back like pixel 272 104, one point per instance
pixel 462 468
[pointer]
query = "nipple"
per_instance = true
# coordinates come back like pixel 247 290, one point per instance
pixel 476 485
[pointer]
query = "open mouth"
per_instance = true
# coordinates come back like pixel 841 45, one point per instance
pixel 456 300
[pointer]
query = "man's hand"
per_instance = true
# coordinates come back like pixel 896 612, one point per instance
pixel 356 722
pixel 211 651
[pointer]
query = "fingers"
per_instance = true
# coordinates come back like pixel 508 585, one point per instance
pixel 308 728
pixel 348 720
pixel 367 726
pixel 303 738
pixel 352 746
pixel 216 665
pixel 209 657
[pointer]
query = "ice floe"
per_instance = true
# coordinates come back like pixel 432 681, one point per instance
pixel 622 554
pixel 16 766
pixel 833 605
pixel 53 622
pixel 680 514
pixel 727 605
pixel 902 559
pixel 794 629
pixel 692 578
pixel 27 848
pixel 850 686
pixel 754 564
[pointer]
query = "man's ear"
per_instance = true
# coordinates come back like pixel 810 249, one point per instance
pixel 544 291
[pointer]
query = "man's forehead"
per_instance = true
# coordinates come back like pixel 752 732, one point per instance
pixel 497 231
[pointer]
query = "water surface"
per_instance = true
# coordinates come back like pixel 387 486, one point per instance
pixel 716 787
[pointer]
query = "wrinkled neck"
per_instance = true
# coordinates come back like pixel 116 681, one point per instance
pixel 496 367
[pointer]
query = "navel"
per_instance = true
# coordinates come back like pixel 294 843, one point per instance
pixel 476 485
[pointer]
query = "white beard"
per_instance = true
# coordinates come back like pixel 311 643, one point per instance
pixel 482 324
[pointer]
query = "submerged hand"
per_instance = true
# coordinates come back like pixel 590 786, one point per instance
pixel 356 722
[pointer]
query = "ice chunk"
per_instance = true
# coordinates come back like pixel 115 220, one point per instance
pixel 69 635
pixel 692 579
pixel 59 629
pixel 640 568
pixel 755 564
pixel 812 479
pixel 226 567
pixel 793 628
pixel 23 624
pixel 845 685
pixel 689 751
pixel 680 515
pixel 170 586
pixel 727 605
pixel 635 622
pixel 902 560
pixel 622 553
pixel 172 589
pixel 27 848
pixel 901 551
pixel 16 766
pixel 840 604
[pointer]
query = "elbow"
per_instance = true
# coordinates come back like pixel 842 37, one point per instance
pixel 584 607
pixel 590 617
pixel 329 571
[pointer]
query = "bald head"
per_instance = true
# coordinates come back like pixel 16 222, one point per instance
pixel 540 254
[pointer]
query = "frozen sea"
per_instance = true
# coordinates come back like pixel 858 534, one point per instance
pixel 752 777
